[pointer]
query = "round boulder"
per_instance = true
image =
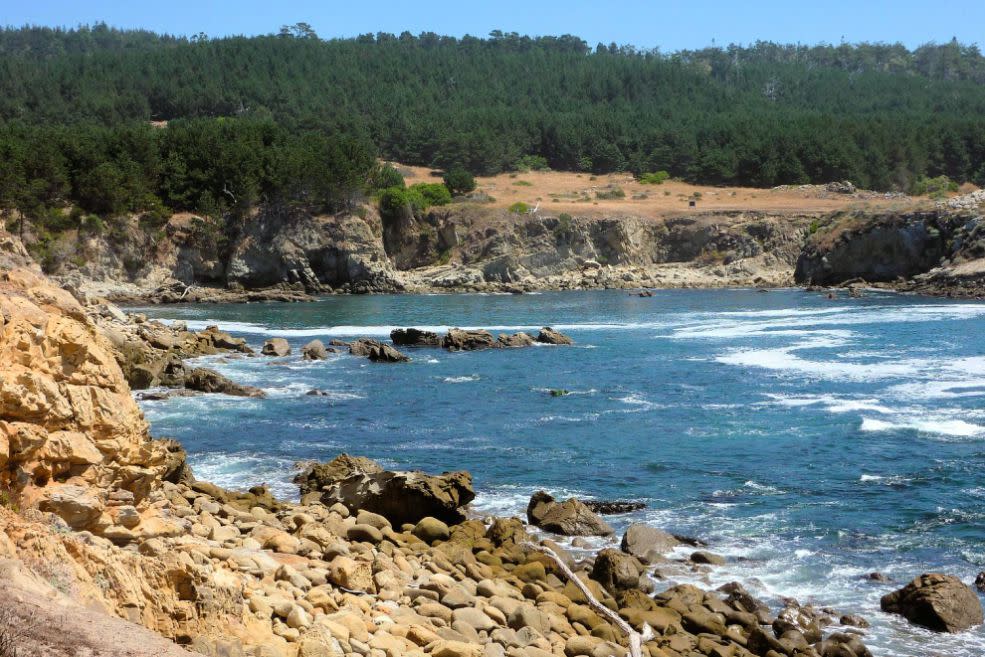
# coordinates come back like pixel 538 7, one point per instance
pixel 647 543
pixel 431 529
pixel 276 347
pixel 942 603
pixel 314 350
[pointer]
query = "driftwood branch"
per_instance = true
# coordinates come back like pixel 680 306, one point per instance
pixel 636 639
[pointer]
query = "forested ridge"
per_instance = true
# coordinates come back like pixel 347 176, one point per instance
pixel 290 117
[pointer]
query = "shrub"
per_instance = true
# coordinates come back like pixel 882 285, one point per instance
pixel 394 201
pixel 532 163
pixel 933 187
pixel 432 193
pixel 92 225
pixel 654 178
pixel 610 193
pixel 520 208
pixel 459 181
pixel 523 183
pixel 385 177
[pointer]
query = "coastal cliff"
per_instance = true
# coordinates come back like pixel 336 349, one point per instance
pixel 103 529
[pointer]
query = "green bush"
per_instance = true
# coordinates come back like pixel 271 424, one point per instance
pixel 520 208
pixel 933 187
pixel 532 163
pixel 432 193
pixel 654 178
pixel 610 193
pixel 459 181
pixel 91 224
pixel 385 177
pixel 523 183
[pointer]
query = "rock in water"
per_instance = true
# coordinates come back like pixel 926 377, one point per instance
pixel 314 350
pixel 206 380
pixel 276 347
pixel 362 346
pixel 384 353
pixel 459 340
pixel 647 543
pixel 319 476
pixel 548 335
pixel 942 603
pixel 568 518
pixel 400 497
pixel 611 507
pixel 515 340
pixel 412 337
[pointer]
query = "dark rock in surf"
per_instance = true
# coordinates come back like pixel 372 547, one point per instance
pixel 462 340
pixel 515 340
pixel 314 350
pixel 568 518
pixel 412 337
pixel 384 353
pixel 206 380
pixel 548 335
pixel 611 507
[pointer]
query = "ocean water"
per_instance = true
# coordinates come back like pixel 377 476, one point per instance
pixel 809 440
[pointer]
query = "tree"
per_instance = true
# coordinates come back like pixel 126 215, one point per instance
pixel 459 181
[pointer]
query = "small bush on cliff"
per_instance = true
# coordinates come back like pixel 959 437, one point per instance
pixel 520 208
pixel 432 193
pixel 459 181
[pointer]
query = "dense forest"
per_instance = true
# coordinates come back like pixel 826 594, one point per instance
pixel 113 121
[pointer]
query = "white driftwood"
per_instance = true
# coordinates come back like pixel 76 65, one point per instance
pixel 636 639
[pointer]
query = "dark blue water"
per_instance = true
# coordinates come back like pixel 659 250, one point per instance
pixel 818 440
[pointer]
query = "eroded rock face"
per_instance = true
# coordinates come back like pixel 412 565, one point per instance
pixel 568 518
pixel 942 603
pixel 319 476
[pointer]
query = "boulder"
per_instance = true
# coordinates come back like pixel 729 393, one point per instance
pixel 612 507
pixel 647 543
pixel 709 558
pixel 617 571
pixel 942 603
pixel 431 529
pixel 548 335
pixel 412 337
pixel 384 353
pixel 362 346
pixel 276 347
pixel 206 380
pixel 568 518
pixel 461 340
pixel 404 497
pixel 515 340
pixel 314 350
pixel 317 476
pixel 77 505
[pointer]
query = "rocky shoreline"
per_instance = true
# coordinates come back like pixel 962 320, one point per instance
pixel 95 514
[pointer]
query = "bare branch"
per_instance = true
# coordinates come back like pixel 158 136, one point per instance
pixel 636 639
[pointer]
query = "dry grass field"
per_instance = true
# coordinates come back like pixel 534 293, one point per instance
pixel 579 194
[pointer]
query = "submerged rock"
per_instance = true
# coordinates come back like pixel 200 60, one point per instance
pixel 568 518
pixel 942 603
pixel 611 507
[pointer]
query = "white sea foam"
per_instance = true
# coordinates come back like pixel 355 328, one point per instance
pixel 954 428
pixel 461 379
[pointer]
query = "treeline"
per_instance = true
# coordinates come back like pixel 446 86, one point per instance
pixel 289 115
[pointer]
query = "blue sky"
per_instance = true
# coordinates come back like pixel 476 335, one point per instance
pixel 669 25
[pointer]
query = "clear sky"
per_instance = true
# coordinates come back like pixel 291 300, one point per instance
pixel 643 23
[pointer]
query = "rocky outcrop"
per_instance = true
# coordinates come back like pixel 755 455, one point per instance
pixel 548 335
pixel 203 379
pixel 942 603
pixel 314 350
pixel 568 518
pixel 276 347
pixel 412 337
pixel 404 497
pixel 468 340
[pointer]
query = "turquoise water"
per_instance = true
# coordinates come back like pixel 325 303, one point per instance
pixel 811 441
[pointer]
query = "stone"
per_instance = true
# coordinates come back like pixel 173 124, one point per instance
pixel 314 350
pixel 318 476
pixel 431 529
pixel 617 571
pixel 705 557
pixel 412 337
pixel 548 335
pixel 384 353
pixel 515 340
pixel 568 518
pixel 461 340
pixel 942 603
pixel 77 505
pixel 404 497
pixel 366 533
pixel 207 380
pixel 612 507
pixel 351 574
pixel 474 618
pixel 276 347
pixel 646 543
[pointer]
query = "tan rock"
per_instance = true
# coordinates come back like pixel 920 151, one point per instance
pixel 351 574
